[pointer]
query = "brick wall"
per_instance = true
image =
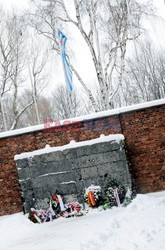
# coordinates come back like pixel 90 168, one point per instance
pixel 145 139
pixel 143 129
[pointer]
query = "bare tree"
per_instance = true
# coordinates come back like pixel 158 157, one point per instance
pixel 45 109
pixel 5 65
pixel 108 21
pixel 38 72
pixel 12 63
pixel 28 117
pixel 145 80
pixel 60 100
pixel 17 45
pixel 15 50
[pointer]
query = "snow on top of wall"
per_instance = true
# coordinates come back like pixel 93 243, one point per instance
pixel 86 117
pixel 72 144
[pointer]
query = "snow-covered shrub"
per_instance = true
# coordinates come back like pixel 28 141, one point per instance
pixel 128 198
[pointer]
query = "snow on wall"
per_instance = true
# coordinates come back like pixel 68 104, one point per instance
pixel 117 138
pixel 87 117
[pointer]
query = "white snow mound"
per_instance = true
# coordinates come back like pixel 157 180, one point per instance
pixel 139 226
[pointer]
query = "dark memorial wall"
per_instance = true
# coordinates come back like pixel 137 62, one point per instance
pixel 70 172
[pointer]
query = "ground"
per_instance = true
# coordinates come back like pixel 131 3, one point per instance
pixel 141 225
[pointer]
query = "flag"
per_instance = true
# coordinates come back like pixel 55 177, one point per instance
pixel 66 66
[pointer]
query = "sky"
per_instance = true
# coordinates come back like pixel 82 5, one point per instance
pixel 155 29
pixel 18 4
pixel 160 4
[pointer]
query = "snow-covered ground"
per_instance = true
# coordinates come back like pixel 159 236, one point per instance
pixel 139 226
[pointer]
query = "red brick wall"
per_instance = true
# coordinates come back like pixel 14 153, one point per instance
pixel 145 141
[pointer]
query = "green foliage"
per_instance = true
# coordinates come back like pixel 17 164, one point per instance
pixel 109 192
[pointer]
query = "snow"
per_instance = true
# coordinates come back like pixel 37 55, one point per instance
pixel 92 188
pixel 139 226
pixel 72 144
pixel 62 172
pixel 24 179
pixel 67 182
pixel 87 117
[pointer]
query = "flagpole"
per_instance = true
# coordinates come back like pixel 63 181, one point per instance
pixel 3 114
pixel 34 96
pixel 135 47
pixel 70 104
pixel 131 25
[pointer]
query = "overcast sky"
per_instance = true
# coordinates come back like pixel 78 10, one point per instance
pixel 24 3
pixel 156 29
pixel 7 4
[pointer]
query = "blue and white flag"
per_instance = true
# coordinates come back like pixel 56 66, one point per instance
pixel 67 69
